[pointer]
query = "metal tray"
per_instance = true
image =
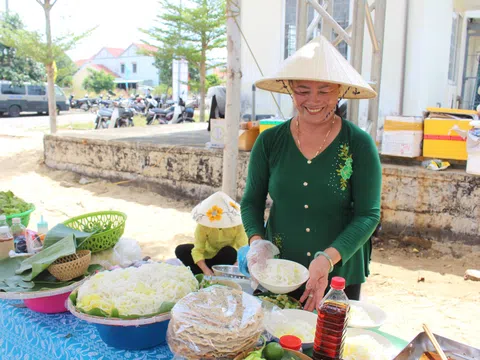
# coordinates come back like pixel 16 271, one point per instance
pixel 228 271
pixel 452 349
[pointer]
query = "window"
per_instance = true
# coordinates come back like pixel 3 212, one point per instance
pixel 122 68
pixel 58 91
pixel 36 90
pixel 134 68
pixel 341 13
pixel 8 89
pixel 454 37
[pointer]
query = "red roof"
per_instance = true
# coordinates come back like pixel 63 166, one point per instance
pixel 146 47
pixel 115 51
pixel 103 68
pixel 81 62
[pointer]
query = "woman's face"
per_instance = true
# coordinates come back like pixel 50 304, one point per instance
pixel 314 100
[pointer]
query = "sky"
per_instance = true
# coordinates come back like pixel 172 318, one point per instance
pixel 118 21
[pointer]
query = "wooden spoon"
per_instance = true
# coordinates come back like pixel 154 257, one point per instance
pixel 434 342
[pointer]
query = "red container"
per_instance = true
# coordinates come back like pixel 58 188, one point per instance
pixel 48 305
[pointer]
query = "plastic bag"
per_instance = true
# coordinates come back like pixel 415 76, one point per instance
pixel 125 252
pixel 436 164
pixel 215 323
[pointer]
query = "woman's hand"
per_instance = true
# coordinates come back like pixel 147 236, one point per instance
pixel 208 271
pixel 315 290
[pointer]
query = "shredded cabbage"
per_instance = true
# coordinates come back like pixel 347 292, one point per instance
pixel 364 347
pixel 360 316
pixel 281 274
pixel 136 291
pixel 301 329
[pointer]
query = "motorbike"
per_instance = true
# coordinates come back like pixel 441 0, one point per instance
pixel 123 116
pixel 159 115
pixel 181 113
pixel 83 104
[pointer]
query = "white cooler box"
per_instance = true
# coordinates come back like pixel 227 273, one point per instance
pixel 402 136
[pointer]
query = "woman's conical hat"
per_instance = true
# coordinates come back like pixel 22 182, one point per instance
pixel 319 60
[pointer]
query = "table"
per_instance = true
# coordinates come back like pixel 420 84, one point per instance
pixel 28 335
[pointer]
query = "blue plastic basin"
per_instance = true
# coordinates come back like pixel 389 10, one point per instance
pixel 134 337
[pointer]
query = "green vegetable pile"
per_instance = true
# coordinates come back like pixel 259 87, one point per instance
pixel 272 351
pixel 10 204
pixel 97 226
pixel 282 301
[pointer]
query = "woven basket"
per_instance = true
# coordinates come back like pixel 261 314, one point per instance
pixel 24 217
pixel 104 240
pixel 71 266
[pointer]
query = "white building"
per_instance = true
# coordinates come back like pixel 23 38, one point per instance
pixel 430 58
pixel 130 65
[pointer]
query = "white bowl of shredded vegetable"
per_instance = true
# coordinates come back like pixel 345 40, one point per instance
pixel 365 315
pixel 281 276
pixel 299 323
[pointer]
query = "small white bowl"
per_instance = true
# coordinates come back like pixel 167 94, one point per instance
pixel 279 288
pixel 376 314
pixel 291 315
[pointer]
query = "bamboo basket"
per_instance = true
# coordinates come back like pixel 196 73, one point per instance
pixel 71 266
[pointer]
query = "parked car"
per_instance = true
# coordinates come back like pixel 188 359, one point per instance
pixel 15 99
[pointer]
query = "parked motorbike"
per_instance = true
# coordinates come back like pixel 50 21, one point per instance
pixel 122 116
pixel 181 113
pixel 83 104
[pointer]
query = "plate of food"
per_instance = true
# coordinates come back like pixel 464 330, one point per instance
pixel 361 344
pixel 283 301
pixel 365 315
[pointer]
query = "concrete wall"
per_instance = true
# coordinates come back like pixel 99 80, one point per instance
pixel 440 205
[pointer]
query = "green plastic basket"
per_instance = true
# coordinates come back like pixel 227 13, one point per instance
pixel 24 217
pixel 104 240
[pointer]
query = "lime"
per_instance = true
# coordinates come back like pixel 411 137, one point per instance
pixel 273 351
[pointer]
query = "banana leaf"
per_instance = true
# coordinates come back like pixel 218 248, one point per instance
pixel 61 231
pixel 42 260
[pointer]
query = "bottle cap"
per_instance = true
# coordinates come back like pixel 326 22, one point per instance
pixel 16 221
pixel 42 223
pixel 338 283
pixel 290 342
pixel 3 218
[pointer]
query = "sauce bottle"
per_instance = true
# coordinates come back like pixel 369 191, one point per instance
pixel 332 323
pixel 6 242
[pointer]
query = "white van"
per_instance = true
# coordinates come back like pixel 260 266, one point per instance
pixel 15 99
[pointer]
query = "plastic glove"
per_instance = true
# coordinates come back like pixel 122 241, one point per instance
pixel 260 251
pixel 242 260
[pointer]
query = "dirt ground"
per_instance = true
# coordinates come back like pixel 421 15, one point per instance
pixel 414 285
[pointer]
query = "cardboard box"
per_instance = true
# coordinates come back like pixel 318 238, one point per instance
pixel 247 138
pixel 402 136
pixel 439 141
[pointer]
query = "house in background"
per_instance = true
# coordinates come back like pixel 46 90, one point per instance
pixel 430 58
pixel 131 67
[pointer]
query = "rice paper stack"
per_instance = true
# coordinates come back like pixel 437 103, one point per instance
pixel 215 323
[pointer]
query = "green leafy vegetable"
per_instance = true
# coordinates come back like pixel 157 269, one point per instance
pixel 10 204
pixel 257 354
pixel 98 226
pixel 282 301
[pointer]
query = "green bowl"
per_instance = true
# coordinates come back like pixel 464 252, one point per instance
pixel 114 221
pixel 24 217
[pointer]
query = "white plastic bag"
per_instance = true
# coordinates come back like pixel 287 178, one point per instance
pixel 124 253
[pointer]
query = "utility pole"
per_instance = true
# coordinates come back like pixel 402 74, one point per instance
pixel 232 108
pixel 6 7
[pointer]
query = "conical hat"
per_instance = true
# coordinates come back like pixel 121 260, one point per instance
pixel 319 60
pixel 218 211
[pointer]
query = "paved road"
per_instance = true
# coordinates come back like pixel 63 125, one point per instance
pixel 30 121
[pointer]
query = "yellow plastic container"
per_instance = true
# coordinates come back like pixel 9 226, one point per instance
pixel 438 139
pixel 269 123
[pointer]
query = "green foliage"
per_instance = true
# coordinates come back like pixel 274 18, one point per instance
pixel 98 81
pixel 13 66
pixel 10 204
pixel 66 68
pixel 191 32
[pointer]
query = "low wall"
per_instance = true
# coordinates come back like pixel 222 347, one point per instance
pixel 418 202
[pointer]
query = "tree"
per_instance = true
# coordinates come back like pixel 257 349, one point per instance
pixel 14 67
pixel 31 44
pixel 190 32
pixel 98 81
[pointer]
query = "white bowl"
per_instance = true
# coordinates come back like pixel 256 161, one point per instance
pixel 376 314
pixel 390 349
pixel 283 288
pixel 290 315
